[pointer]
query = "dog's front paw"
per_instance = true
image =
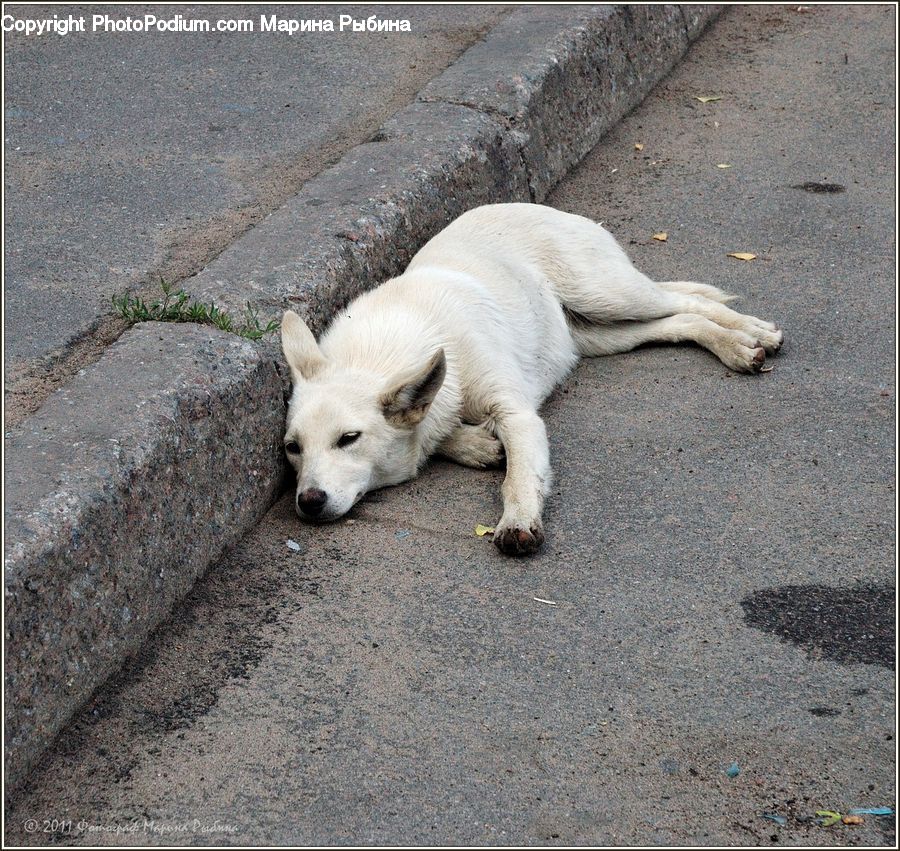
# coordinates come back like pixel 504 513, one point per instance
pixel 482 450
pixel 474 446
pixel 519 539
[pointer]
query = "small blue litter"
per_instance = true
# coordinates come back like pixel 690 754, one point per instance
pixel 872 811
pixel 403 533
pixel 777 819
pixel 733 770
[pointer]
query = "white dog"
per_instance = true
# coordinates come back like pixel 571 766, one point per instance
pixel 457 354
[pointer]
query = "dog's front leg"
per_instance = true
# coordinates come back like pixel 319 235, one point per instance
pixel 520 531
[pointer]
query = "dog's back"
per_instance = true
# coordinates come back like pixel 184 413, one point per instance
pixel 476 292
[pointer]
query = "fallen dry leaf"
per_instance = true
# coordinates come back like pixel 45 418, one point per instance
pixel 662 237
pixel 638 146
pixel 767 369
pixel 723 165
pixel 708 98
pixel 481 531
pixel 742 255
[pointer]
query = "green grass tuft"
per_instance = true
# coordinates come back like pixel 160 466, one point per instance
pixel 178 307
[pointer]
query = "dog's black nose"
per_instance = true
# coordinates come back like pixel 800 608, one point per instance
pixel 312 501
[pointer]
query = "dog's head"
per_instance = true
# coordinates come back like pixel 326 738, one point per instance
pixel 350 431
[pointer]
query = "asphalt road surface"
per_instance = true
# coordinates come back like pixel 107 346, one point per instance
pixel 707 636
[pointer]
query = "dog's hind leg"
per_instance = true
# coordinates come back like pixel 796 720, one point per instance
pixel 736 349
pixel 693 288
pixel 767 333
pixel 634 299
pixel 472 446
pixel 597 284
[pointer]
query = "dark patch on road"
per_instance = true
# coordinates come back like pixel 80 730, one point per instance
pixel 247 611
pixel 218 634
pixel 852 625
pixel 824 711
pixel 812 186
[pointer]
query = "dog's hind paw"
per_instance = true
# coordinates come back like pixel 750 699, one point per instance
pixel 771 341
pixel 740 352
pixel 765 334
pixel 515 540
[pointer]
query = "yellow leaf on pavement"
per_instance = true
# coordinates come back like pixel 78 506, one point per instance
pixel 742 255
pixel 723 165
pixel 662 237
pixel 708 98
pixel 638 146
pixel 481 531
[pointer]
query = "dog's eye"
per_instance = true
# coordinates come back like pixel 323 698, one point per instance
pixel 348 438
pixel 292 447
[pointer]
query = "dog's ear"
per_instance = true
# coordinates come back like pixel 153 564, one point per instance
pixel 299 346
pixel 406 403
